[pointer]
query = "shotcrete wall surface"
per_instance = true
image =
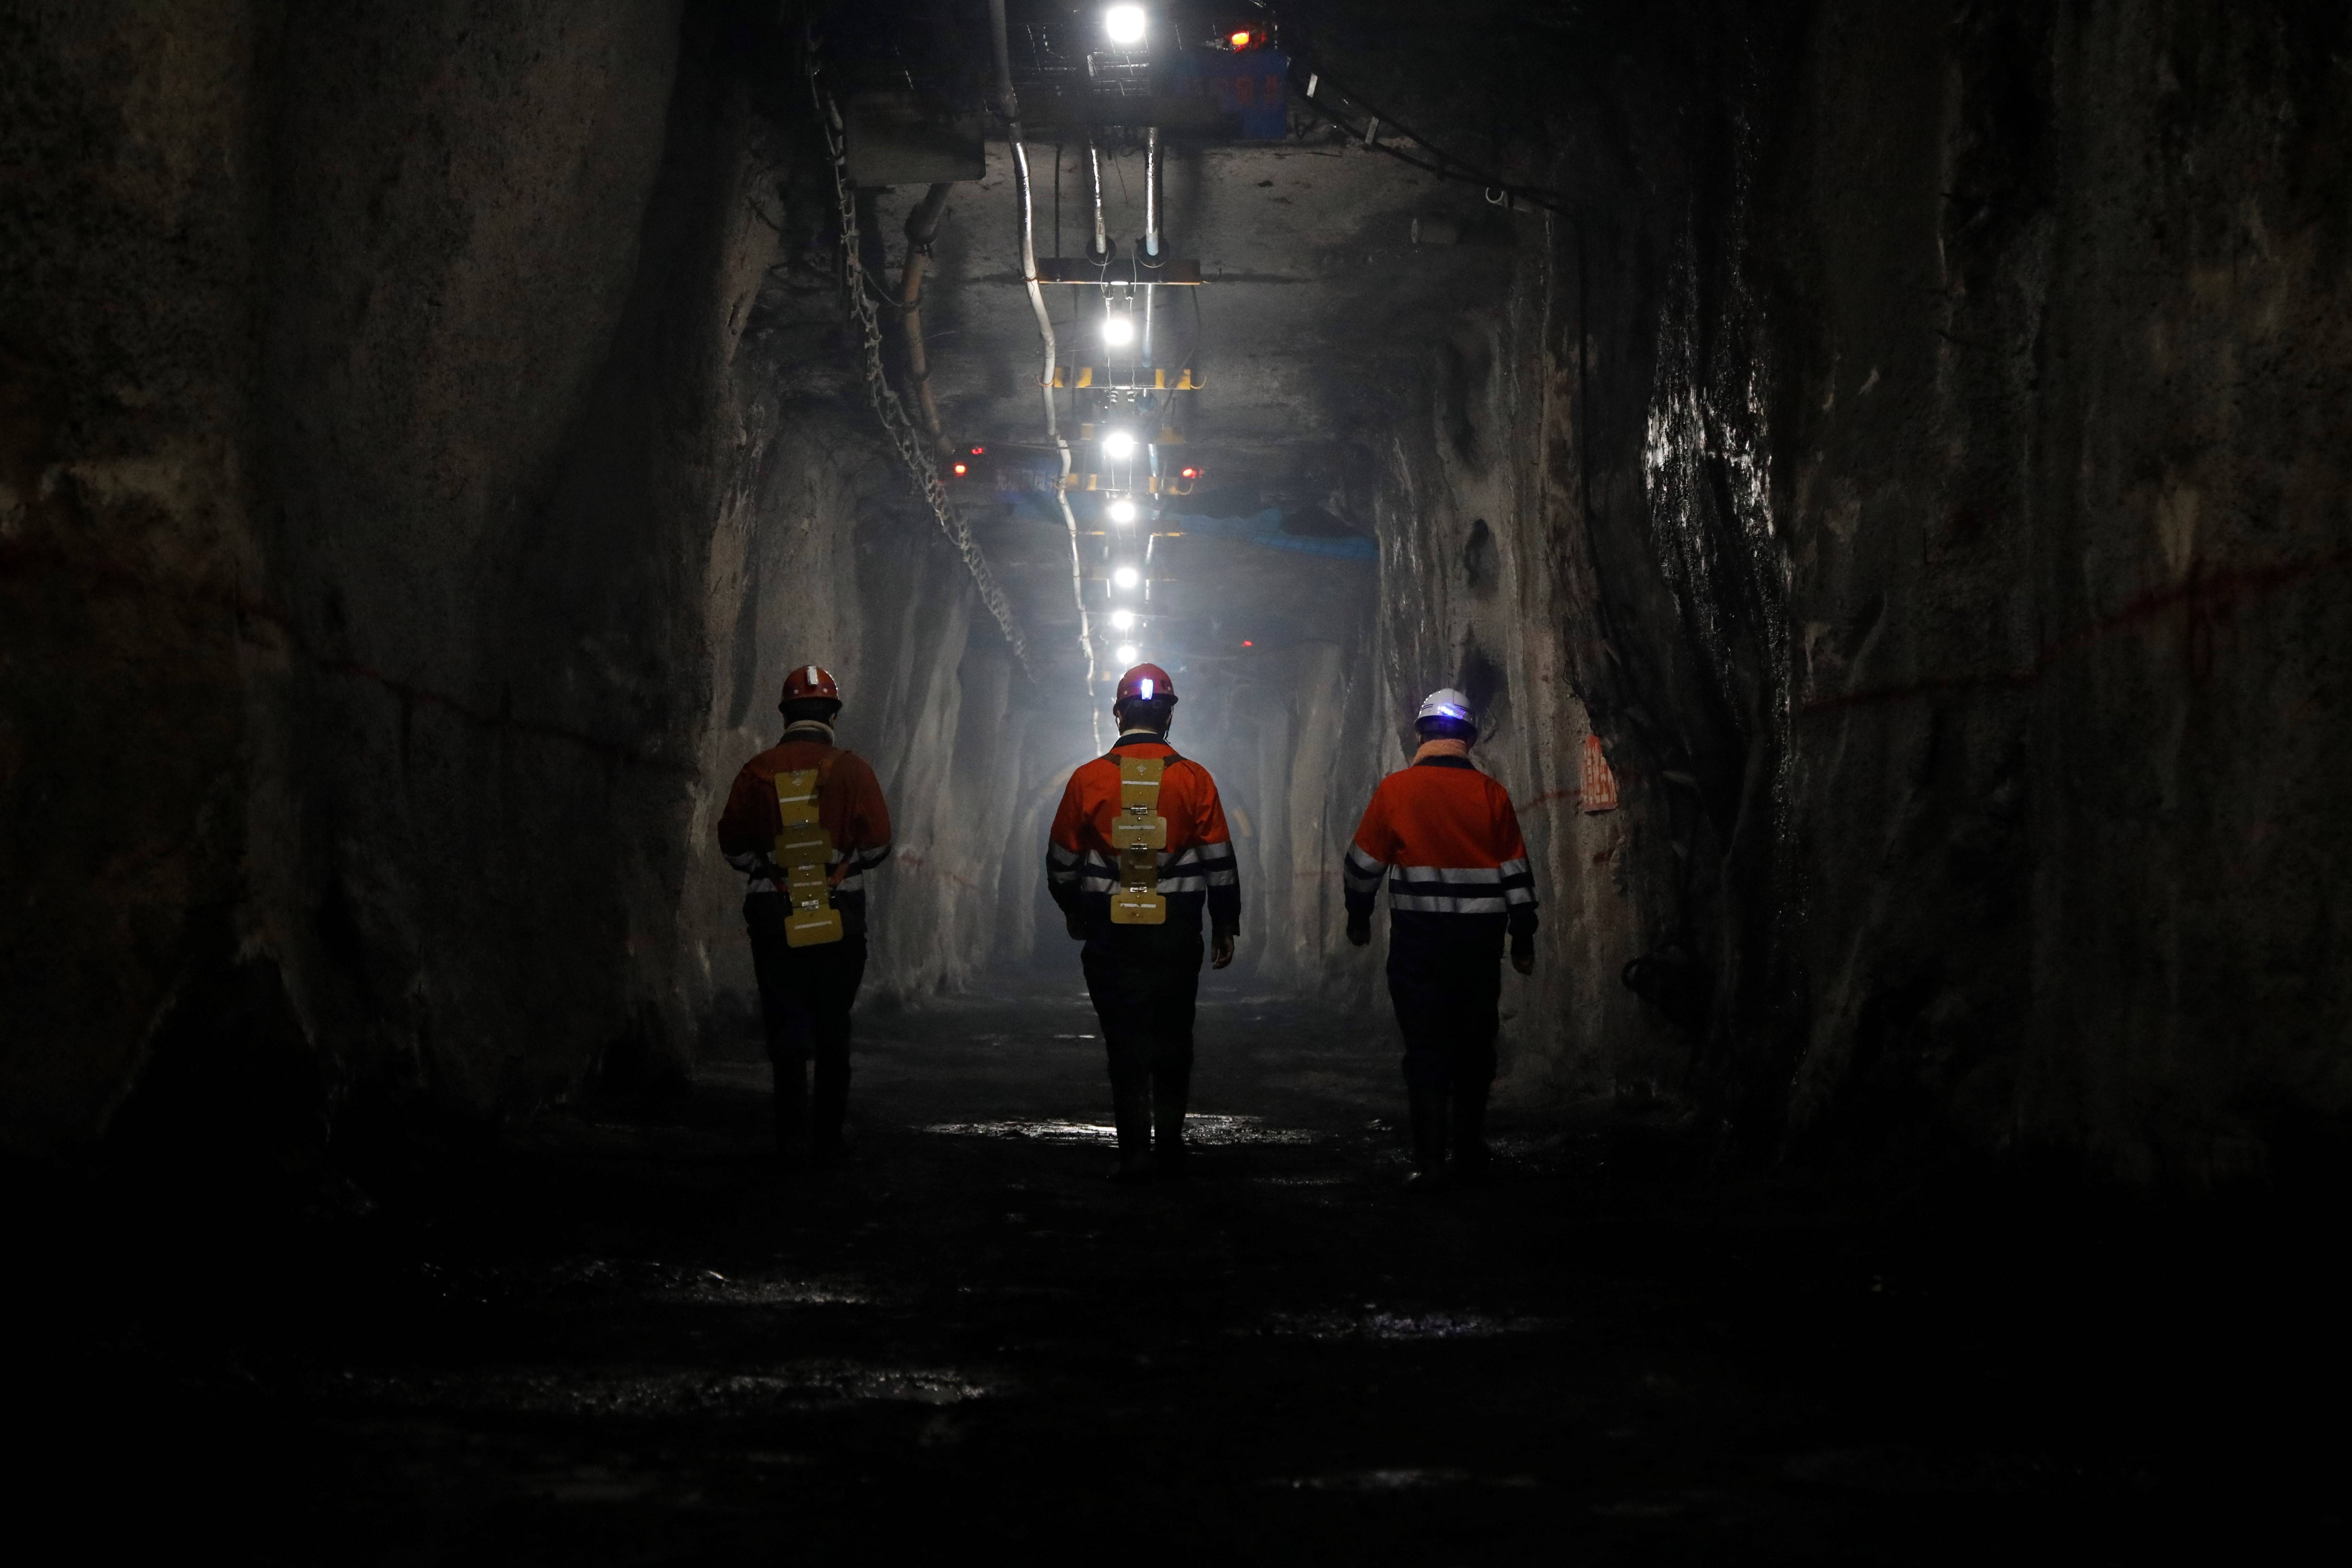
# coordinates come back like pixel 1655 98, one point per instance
pixel 401 559
pixel 1928 429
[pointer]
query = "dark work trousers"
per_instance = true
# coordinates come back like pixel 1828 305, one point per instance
pixel 1144 981
pixel 805 994
pixel 1446 977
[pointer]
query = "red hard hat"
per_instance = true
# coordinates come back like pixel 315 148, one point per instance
pixel 810 681
pixel 1144 682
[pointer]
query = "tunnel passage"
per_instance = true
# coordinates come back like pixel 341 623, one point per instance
pixel 1908 641
pixel 1877 471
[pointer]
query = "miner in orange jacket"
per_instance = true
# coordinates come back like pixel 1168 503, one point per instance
pixel 1139 849
pixel 1445 838
pixel 808 942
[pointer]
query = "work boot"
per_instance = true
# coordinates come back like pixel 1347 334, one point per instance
pixel 1473 1160
pixel 1130 1105
pixel 830 1109
pixel 1170 1091
pixel 1428 1111
pixel 791 1113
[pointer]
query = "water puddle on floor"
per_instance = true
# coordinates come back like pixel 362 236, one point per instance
pixel 1399 1323
pixel 1401 1479
pixel 646 1279
pixel 699 1392
pixel 1206 1131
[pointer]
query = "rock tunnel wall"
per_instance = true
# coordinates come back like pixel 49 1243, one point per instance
pixel 1920 456
pixel 408 524
pixel 1915 453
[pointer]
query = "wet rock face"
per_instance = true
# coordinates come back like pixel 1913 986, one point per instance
pixel 1927 455
pixel 423 460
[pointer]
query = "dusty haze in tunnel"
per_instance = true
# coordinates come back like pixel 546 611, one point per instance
pixel 1879 470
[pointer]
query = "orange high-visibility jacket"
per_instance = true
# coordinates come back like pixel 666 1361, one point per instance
pixel 849 806
pixel 1195 868
pixel 1445 838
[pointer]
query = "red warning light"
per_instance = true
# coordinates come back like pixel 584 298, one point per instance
pixel 1247 644
pixel 961 469
pixel 979 451
pixel 1192 472
pixel 1239 41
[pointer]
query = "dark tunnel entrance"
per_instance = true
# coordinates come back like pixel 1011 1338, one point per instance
pixel 1871 481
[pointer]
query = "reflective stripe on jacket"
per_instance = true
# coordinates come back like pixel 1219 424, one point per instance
pixel 1196 868
pixel 849 806
pixel 1444 837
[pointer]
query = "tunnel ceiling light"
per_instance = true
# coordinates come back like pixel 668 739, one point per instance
pixel 1119 329
pixel 961 469
pixel 1240 38
pixel 1125 576
pixel 1122 619
pixel 1118 445
pixel 1122 511
pixel 1127 652
pixel 1124 24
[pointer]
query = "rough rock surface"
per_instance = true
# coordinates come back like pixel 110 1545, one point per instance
pixel 381 489
pixel 1923 441
pixel 1914 445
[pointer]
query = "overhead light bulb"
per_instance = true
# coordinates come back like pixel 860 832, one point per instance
pixel 1118 444
pixel 1118 330
pixel 1125 576
pixel 1126 653
pixel 1122 511
pixel 1122 619
pixel 1239 41
pixel 1124 24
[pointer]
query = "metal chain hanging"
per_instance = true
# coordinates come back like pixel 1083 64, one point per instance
pixel 914 449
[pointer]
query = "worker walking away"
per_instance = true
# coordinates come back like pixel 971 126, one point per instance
pixel 1444 837
pixel 805 821
pixel 1139 848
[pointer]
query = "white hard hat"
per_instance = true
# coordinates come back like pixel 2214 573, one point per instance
pixel 1445 702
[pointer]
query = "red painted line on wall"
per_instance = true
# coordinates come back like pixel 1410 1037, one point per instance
pixel 2202 601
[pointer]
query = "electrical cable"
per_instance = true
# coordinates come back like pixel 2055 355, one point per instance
pixel 1009 105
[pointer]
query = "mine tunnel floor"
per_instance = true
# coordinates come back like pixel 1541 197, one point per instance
pixel 606 1337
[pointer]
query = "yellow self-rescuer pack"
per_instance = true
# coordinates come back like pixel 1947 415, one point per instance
pixel 1139 834
pixel 806 852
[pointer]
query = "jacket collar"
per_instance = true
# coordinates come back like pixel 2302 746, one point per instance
pixel 809 729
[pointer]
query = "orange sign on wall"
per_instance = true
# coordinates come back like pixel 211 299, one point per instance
pixel 1600 784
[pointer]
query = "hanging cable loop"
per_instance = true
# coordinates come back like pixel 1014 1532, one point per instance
pixel 859 293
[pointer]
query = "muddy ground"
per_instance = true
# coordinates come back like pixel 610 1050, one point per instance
pixel 609 1335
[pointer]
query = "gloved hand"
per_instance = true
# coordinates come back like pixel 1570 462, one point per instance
pixel 1076 924
pixel 1221 949
pixel 1523 960
pixel 1360 931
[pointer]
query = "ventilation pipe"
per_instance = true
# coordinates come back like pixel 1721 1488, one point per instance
pixel 922 228
pixel 1151 196
pixel 1097 253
